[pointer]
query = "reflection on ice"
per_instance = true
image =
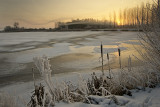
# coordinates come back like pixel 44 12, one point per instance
pixel 68 51
pixel 27 56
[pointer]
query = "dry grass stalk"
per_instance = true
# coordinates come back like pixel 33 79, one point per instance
pixel 119 54
pixel 102 57
pixel 109 67
pixel 7 101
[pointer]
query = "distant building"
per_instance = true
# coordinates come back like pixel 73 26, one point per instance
pixel 82 24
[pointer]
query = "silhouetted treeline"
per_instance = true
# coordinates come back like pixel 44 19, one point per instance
pixel 22 29
pixel 144 14
pixel 128 18
pixel 16 28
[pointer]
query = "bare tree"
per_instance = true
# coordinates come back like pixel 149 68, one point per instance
pixel 124 17
pixel 110 20
pixel 147 15
pixel 114 19
pixel 158 12
pixel 150 39
pixel 120 17
pixel 142 14
pixel 16 25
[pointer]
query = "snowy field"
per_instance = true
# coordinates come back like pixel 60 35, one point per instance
pixel 70 53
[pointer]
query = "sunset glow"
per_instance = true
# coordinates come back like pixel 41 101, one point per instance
pixel 44 13
pixel 118 22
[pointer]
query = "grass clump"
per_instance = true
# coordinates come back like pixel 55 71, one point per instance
pixel 7 100
pixel 117 83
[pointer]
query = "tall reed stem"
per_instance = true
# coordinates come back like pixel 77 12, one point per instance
pixel 102 58
pixel 33 77
pixel 109 66
pixel 119 53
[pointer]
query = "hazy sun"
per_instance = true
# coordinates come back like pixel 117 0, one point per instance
pixel 118 22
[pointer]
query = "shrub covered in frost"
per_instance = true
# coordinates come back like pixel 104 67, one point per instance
pixel 120 83
pixel 150 38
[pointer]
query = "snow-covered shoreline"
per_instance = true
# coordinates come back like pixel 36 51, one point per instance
pixel 81 54
pixel 140 96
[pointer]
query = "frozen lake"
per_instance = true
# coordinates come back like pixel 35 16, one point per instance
pixel 68 52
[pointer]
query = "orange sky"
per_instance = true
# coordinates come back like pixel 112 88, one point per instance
pixel 43 13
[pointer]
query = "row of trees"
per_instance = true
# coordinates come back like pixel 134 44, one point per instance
pixel 133 17
pixel 10 28
pixel 126 18
pixel 17 28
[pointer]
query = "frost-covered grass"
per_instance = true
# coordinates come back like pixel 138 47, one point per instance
pixel 7 101
pixel 140 98
pixel 150 38
pixel 119 83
